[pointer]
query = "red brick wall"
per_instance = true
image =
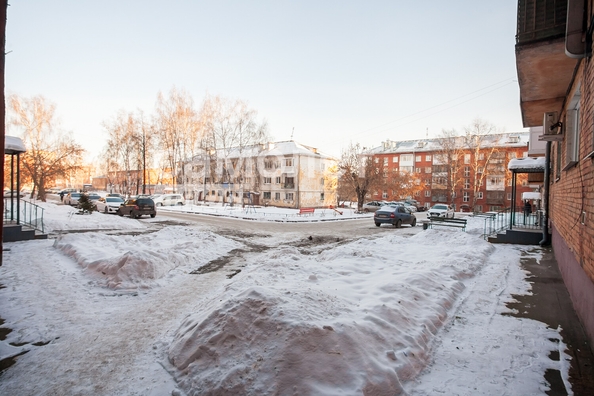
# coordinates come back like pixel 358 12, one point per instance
pixel 572 190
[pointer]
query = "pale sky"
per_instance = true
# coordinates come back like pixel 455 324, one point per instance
pixel 333 71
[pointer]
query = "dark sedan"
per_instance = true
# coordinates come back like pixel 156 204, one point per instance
pixel 395 215
pixel 137 206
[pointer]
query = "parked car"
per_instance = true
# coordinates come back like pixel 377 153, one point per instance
pixel 72 198
pixel 412 208
pixel 94 197
pixel 109 204
pixel 67 190
pixel 372 206
pixel 169 200
pixel 136 207
pixel 114 195
pixel 395 215
pixel 441 210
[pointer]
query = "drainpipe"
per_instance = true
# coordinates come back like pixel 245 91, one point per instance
pixel 546 239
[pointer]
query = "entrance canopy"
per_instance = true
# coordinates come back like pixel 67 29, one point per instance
pixel 13 145
pixel 527 165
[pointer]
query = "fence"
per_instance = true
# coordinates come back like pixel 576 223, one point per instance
pixel 23 212
pixel 510 219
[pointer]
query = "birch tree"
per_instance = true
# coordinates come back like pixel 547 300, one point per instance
pixel 476 139
pixel 359 174
pixel 450 158
pixel 50 153
pixel 233 132
pixel 178 129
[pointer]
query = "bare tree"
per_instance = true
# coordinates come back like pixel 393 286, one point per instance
pixel 179 130
pixel 477 140
pixel 233 133
pixel 450 158
pixel 50 152
pixel 359 173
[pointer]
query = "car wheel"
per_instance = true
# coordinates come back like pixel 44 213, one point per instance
pixel 452 215
pixel 366 210
pixel 153 215
pixel 377 224
pixel 106 211
pixel 414 222
pixel 398 223
pixel 119 212
pixel 179 204
pixel 159 204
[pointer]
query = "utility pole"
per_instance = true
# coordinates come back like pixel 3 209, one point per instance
pixel 3 7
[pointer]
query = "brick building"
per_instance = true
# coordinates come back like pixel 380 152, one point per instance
pixel 469 178
pixel 556 78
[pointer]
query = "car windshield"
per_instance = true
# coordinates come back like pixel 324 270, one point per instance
pixel 440 207
pixel 75 195
pixel 113 199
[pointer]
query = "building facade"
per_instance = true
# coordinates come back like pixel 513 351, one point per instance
pixel 452 171
pixel 284 174
pixel 556 78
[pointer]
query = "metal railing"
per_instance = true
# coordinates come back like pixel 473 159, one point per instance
pixel 23 212
pixel 507 219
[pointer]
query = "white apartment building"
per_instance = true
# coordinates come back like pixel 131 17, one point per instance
pixel 284 174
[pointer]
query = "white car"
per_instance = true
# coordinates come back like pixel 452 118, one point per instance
pixel 441 210
pixel 169 200
pixel 109 204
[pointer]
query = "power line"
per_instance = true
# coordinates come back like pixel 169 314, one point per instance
pixel 508 81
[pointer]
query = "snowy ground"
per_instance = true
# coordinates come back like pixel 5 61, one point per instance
pixel 150 308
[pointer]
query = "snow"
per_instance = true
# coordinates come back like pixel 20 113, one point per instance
pixel 122 311
pixel 532 163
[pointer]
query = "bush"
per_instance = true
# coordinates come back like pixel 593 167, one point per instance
pixel 85 204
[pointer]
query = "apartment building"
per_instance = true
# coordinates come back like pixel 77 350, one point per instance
pixel 556 79
pixel 284 174
pixel 470 178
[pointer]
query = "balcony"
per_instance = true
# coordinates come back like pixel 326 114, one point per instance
pixel 544 71
pixel 290 186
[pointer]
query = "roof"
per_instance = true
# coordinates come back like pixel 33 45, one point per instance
pixel 512 139
pixel 284 148
pixel 13 145
pixel 527 165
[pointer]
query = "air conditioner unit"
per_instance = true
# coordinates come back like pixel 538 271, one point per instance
pixel 552 130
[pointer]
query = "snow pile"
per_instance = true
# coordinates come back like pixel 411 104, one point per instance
pixel 58 218
pixel 356 319
pixel 137 261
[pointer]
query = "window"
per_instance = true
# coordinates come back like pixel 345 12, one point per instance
pixel 427 193
pixel 572 131
pixel 289 196
pixel 479 195
pixel 418 158
pixel 467 171
pixel 408 169
pixel 376 160
pixel 481 156
pixel 418 170
pixel 466 196
pixel 322 197
pixel 278 180
pixel 467 158
pixel 289 182
pixel 467 183
pixel 428 169
pixel 267 180
pixel 267 194
pixel 395 159
pixel 406 157
pixel 512 155
pixel 385 194
pixel 509 196
pixel 558 162
pixel 277 196
pixel 385 161
pixel 478 208
pixel 288 161
pixel 322 181
pixel 427 158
